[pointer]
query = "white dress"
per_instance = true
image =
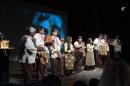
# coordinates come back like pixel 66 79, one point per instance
pixel 90 61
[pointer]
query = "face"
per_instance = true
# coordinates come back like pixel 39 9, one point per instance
pixel 42 31
pixel 70 40
pixel 62 41
pixel 105 37
pixel 79 39
pixel 32 31
pixel 91 41
pixel 55 33
pixel 100 37
pixel 32 34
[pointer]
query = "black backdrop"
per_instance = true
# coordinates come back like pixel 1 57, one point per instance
pixel 84 18
pixel 16 15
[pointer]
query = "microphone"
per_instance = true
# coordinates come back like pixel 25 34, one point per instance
pixel 2 36
pixel 0 33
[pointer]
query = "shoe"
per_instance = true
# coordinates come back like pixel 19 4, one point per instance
pixel 94 70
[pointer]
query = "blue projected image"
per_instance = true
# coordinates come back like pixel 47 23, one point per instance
pixel 47 21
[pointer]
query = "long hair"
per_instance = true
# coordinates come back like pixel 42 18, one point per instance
pixel 69 39
pixel 89 40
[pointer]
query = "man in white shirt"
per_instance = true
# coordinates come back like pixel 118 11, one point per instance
pixel 56 59
pixel 96 43
pixel 28 53
pixel 42 59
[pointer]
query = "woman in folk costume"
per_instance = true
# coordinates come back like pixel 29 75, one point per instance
pixel 96 43
pixel 56 59
pixel 42 57
pixel 104 50
pixel 90 60
pixel 79 53
pixel 69 55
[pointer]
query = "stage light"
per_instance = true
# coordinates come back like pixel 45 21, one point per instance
pixel 123 8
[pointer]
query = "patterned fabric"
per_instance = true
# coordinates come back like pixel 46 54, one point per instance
pixel 69 61
pixel 103 47
pixel 43 56
pixel 48 39
pixel 90 61
pixel 79 59
pixel 103 50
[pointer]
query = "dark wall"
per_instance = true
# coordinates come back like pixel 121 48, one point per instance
pixel 89 20
pixel 16 15
pixel 82 23
pixel 98 17
pixel 84 18
pixel 14 20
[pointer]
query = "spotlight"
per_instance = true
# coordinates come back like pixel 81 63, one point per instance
pixel 123 8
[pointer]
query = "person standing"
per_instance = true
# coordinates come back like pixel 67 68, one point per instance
pixel 27 51
pixel 69 55
pixel 42 57
pixel 104 50
pixel 79 53
pixel 56 58
pixel 96 43
pixel 90 60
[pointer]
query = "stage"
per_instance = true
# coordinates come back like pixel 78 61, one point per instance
pixel 15 75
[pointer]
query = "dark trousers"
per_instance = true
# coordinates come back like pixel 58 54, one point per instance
pixel 79 60
pixel 57 66
pixel 27 72
pixel 89 67
pixel 117 55
pixel 97 58
pixel 103 59
pixel 41 70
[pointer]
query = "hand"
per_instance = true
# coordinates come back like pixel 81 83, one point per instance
pixel 40 48
pixel 69 51
pixel 38 53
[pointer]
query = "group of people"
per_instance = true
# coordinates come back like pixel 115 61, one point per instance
pixel 38 50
